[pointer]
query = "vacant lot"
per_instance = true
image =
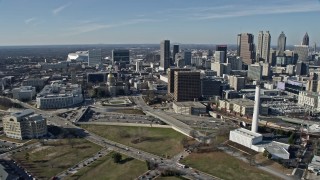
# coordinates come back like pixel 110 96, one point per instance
pixel 225 166
pixel 159 141
pixel 105 168
pixel 47 161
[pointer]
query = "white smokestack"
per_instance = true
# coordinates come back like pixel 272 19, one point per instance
pixel 254 127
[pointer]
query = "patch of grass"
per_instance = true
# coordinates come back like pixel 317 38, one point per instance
pixel 5 138
pixel 105 168
pixel 130 111
pixel 54 157
pixel 224 166
pixel 159 141
pixel 170 178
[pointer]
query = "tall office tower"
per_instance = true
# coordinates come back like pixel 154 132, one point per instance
pixel 259 46
pixel 255 72
pixel 187 57
pixel 94 57
pixel 238 44
pixel 186 86
pixel 223 48
pixel 266 70
pixel 266 46
pixel 120 57
pixel 302 68
pixel 235 62
pixel 237 82
pixel 176 49
pixel 282 40
pixel 221 68
pixel 138 66
pixel 314 48
pixel 219 56
pixel 171 78
pixel 302 52
pixel 165 54
pixel 246 47
pixel 305 40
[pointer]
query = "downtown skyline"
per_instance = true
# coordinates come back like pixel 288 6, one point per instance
pixel 35 22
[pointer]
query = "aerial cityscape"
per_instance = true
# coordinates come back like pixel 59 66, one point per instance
pixel 163 90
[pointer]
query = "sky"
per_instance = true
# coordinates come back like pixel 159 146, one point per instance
pixel 54 22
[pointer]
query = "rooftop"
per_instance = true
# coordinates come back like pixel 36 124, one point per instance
pixel 247 133
pixel 190 104
pixel 22 113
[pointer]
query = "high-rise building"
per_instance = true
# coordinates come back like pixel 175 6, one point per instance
pixel 302 68
pixel 255 72
pixel 186 85
pixel 187 57
pixel 165 54
pixel 94 58
pixel 210 87
pixel 305 40
pixel 235 62
pixel 281 44
pixel 302 52
pixel 221 68
pixel 266 46
pixel 246 47
pixel 224 49
pixel 259 46
pixel 219 56
pixel 176 50
pixel 171 78
pixel 120 57
pixel 237 82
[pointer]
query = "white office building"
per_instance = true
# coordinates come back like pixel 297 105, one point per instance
pixel 24 93
pixel 58 95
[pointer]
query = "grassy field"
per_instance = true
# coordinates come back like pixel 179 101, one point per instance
pixel 225 166
pixel 46 161
pixel 105 168
pixel 159 141
pixel 5 138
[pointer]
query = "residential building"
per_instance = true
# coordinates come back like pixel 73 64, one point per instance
pixel 24 93
pixel 186 85
pixel 246 48
pixel 309 100
pixel 24 125
pixel 165 55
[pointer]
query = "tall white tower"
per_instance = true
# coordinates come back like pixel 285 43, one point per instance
pixel 254 127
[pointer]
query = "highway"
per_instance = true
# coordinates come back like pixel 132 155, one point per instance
pixel 129 151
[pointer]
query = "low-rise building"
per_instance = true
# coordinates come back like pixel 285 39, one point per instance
pixel 24 125
pixel 189 108
pixel 243 107
pixel 58 95
pixel 309 100
pixel 24 93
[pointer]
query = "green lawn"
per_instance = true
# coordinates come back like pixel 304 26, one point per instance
pixel 54 157
pixel 159 141
pixel 225 166
pixel 105 168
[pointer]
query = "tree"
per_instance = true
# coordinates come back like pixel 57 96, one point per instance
pixel 291 139
pixel 116 157
pixel 27 156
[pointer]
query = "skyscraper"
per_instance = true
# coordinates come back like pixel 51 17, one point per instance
pixel 165 54
pixel 246 47
pixel 305 40
pixel 186 85
pixel 281 44
pixel 224 49
pixel 170 73
pixel 120 57
pixel 174 52
pixel 266 46
pixel 259 46
pixel 94 57
pixel 302 52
